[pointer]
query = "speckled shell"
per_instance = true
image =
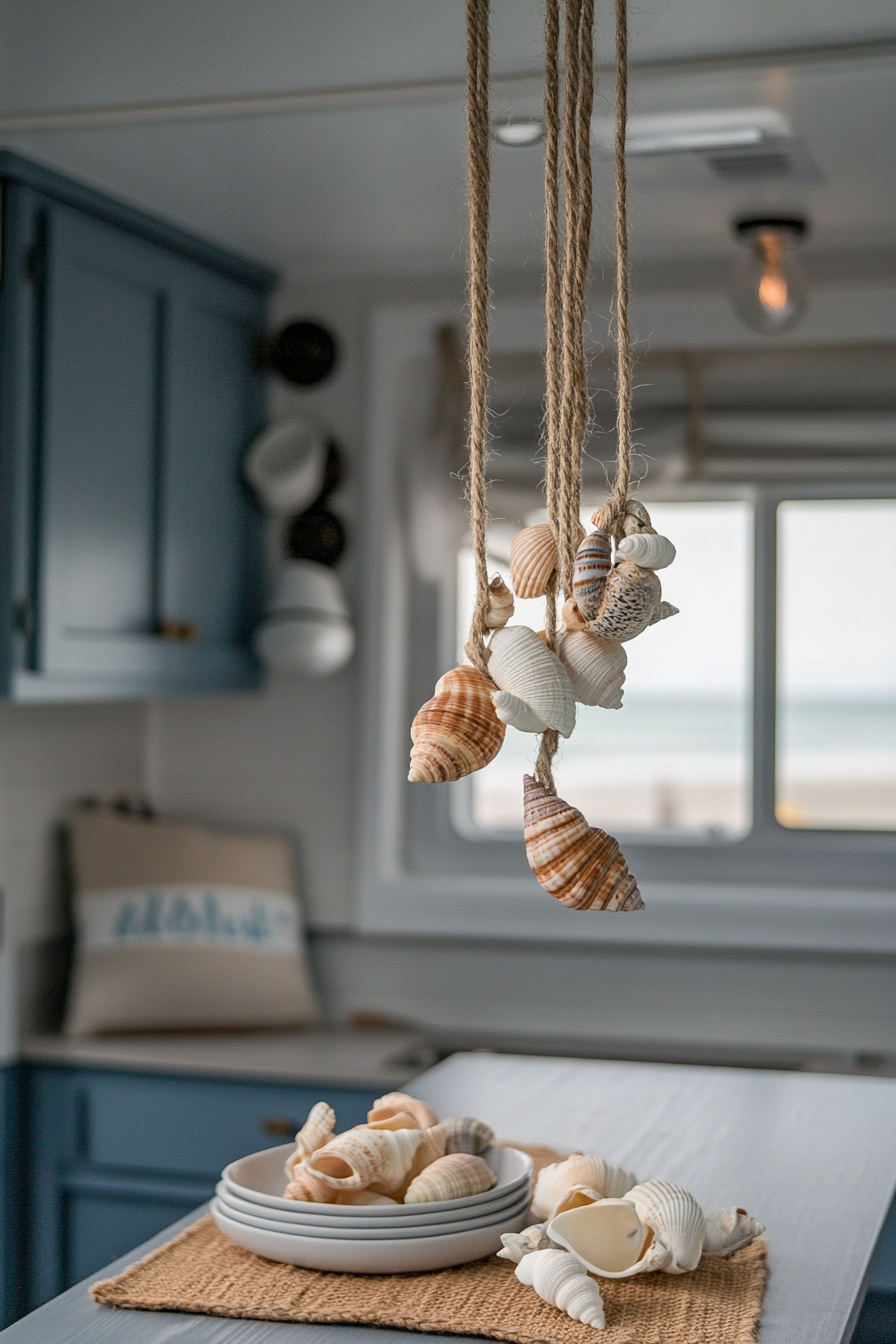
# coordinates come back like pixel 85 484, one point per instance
pixel 500 604
pixel 395 1102
pixel 581 1172
pixel 596 667
pixel 457 731
pixel 591 566
pixel 514 1245
pixel 307 1187
pixel 463 1134
pixel 316 1131
pixel 629 602
pixel 636 519
pixel 647 549
pixel 521 664
pixel 533 559
pixel 610 1239
pixel 453 1176
pixel 363 1158
pixel 560 1280
pixel 727 1230
pixel 676 1220
pixel 578 864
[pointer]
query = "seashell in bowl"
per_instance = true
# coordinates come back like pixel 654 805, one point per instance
pixel 596 667
pixel 727 1230
pixel 396 1103
pixel 533 559
pixel 578 864
pixel 592 564
pixel 316 1131
pixel 305 1186
pixel 534 691
pixel 647 549
pixel 463 1134
pixel 610 1239
pixel 457 731
pixel 453 1176
pixel 563 1282
pixel 362 1159
pixel 675 1218
pixel 500 604
pixel 578 1171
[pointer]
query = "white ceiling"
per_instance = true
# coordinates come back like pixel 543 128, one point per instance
pixel 376 184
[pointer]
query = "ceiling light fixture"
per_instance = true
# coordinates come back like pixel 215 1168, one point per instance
pixel 518 131
pixel 695 132
pixel 769 289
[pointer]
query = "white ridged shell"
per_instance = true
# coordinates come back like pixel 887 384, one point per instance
pixel 676 1219
pixel 610 1239
pixel 562 1282
pixel 533 559
pixel 513 711
pixel 453 1176
pixel 521 663
pixel 557 1178
pixel 647 549
pixel 316 1131
pixel 596 667
pixel 727 1230
pixel 378 1158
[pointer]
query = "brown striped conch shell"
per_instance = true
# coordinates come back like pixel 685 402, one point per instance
pixel 560 1280
pixel 676 1220
pixel 457 731
pixel 534 692
pixel 647 549
pixel 579 864
pixel 592 564
pixel 393 1103
pixel 361 1159
pixel 579 1171
pixel 514 1245
pixel 307 1187
pixel 533 559
pixel 628 602
pixel 500 604
pixel 610 1239
pixel 727 1230
pixel 316 1131
pixel 636 519
pixel 596 667
pixel 451 1177
pixel 463 1134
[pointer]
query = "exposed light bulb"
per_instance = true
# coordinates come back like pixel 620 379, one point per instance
pixel 769 288
pixel 520 132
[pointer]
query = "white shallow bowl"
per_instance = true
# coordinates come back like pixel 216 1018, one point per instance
pixel 271 1224
pixel 416 1220
pixel 398 1255
pixel 260 1179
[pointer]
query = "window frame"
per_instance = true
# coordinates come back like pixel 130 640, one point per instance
pixel 776 887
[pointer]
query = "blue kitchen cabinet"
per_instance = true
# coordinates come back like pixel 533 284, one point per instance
pixel 130 561
pixel 114 1157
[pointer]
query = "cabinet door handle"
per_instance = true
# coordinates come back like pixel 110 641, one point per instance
pixel 279 1125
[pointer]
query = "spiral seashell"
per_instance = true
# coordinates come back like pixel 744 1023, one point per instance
pixel 666 610
pixel 500 604
pixel 628 603
pixel 533 559
pixel 463 1134
pixel 561 1281
pixel 361 1159
pixel 577 1196
pixel 636 518
pixel 675 1218
pixel 596 667
pixel 514 1245
pixel 457 731
pixel 522 665
pixel 727 1230
pixel 610 1239
pixel 393 1103
pixel 571 616
pixel 400 1120
pixel 451 1177
pixel 579 864
pixel 307 1187
pixel 578 1171
pixel 647 549
pixel 591 566
pixel 316 1131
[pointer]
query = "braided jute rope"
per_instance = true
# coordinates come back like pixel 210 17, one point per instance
pixel 615 507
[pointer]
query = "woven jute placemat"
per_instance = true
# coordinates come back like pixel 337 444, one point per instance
pixel 202 1271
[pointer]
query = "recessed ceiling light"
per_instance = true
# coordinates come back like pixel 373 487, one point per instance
pixel 518 131
pixel 693 132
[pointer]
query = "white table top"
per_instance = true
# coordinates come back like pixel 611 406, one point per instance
pixel 812 1156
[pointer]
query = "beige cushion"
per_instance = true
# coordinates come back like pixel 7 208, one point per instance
pixel 183 926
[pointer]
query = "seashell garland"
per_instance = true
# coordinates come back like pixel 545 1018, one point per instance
pixel 533 559
pixel 521 665
pixel 647 549
pixel 360 1159
pixel 591 566
pixel 396 1103
pixel 500 604
pixel 596 667
pixel 457 731
pixel 578 1171
pixel 316 1131
pixel 561 1281
pixel 727 1230
pixel 675 1218
pixel 636 519
pixel 610 1239
pixel 453 1176
pixel 579 864
pixel 628 602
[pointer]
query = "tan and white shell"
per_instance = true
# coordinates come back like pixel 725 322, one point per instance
pixel 578 1171
pixel 629 601
pixel 464 1134
pixel 457 731
pixel 610 1239
pixel 596 667
pixel 307 1187
pixel 393 1103
pixel 580 865
pixel 500 604
pixel 561 1281
pixel 727 1230
pixel 514 1245
pixel 647 549
pixel 316 1131
pixel 676 1220
pixel 453 1176
pixel 533 559
pixel 362 1159
pixel 636 518
pixel 534 691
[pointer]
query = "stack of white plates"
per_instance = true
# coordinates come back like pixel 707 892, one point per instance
pixel 371 1238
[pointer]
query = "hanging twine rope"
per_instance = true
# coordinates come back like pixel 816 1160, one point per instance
pixel 615 507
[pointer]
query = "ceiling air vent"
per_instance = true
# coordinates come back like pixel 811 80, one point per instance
pixel 758 163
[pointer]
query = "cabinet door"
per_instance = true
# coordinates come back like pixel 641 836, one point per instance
pixel 147 401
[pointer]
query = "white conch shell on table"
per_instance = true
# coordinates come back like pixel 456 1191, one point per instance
pixel 359 1159
pixel 561 1281
pixel 453 1176
pixel 316 1131
pixel 517 1244
pixel 576 1196
pixel 395 1102
pixel 727 1230
pixel 675 1218
pixel 596 667
pixel 522 666
pixel 500 604
pixel 647 549
pixel 579 1169
pixel 610 1239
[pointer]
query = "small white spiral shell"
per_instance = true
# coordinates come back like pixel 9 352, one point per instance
pixel 561 1281
pixel 316 1131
